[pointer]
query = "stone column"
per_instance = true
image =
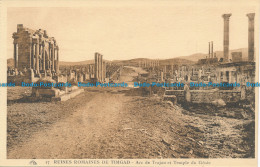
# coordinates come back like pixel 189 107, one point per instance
pixel 57 65
pixel 226 36
pixel 209 49
pixel 104 71
pixel 96 66
pixel 49 58
pixel 101 68
pixel 212 49
pixel 32 56
pixel 53 57
pixel 55 61
pixel 15 55
pixel 40 56
pixel 43 56
pixel 37 57
pixel 251 45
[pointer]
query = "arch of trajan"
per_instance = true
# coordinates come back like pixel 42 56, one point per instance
pixel 35 50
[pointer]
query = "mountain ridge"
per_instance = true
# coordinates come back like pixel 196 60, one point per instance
pixel 191 59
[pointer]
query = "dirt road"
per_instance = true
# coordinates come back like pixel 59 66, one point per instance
pixel 70 137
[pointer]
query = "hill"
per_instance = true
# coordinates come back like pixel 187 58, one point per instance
pixel 219 54
pixel 186 60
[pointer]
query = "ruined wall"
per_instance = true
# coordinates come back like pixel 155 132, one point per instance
pixel 22 46
pixel 206 96
pixel 178 93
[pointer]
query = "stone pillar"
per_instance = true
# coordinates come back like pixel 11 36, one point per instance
pixel 251 45
pixel 57 65
pixel 212 49
pixel 32 57
pixel 43 56
pixel 101 68
pixel 37 57
pixel 40 56
pixel 209 49
pixel 226 36
pixel 104 72
pixel 53 57
pixel 49 58
pixel 15 55
pixel 96 66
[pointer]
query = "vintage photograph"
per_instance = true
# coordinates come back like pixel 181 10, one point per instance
pixel 128 81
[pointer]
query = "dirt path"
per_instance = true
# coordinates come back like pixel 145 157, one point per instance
pixel 114 124
pixel 69 137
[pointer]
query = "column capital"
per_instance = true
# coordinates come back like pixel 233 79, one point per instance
pixel 226 16
pixel 251 16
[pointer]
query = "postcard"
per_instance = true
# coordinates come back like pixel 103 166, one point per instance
pixel 129 83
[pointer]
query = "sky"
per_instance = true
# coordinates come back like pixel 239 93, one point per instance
pixel 135 30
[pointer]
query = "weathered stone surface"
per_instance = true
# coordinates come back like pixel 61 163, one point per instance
pixel 34 49
pixel 206 96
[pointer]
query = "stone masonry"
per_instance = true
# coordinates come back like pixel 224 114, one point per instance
pixel 35 50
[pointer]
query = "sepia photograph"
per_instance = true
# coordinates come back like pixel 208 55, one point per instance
pixel 109 83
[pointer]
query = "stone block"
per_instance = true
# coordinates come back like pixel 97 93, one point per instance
pixel 49 92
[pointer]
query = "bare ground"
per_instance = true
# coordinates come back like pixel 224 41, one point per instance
pixel 109 123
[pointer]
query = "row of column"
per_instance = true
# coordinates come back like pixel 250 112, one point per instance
pixel 47 62
pixel 35 50
pixel 251 17
pixel 153 63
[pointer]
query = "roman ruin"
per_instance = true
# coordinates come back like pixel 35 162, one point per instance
pixel 36 51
